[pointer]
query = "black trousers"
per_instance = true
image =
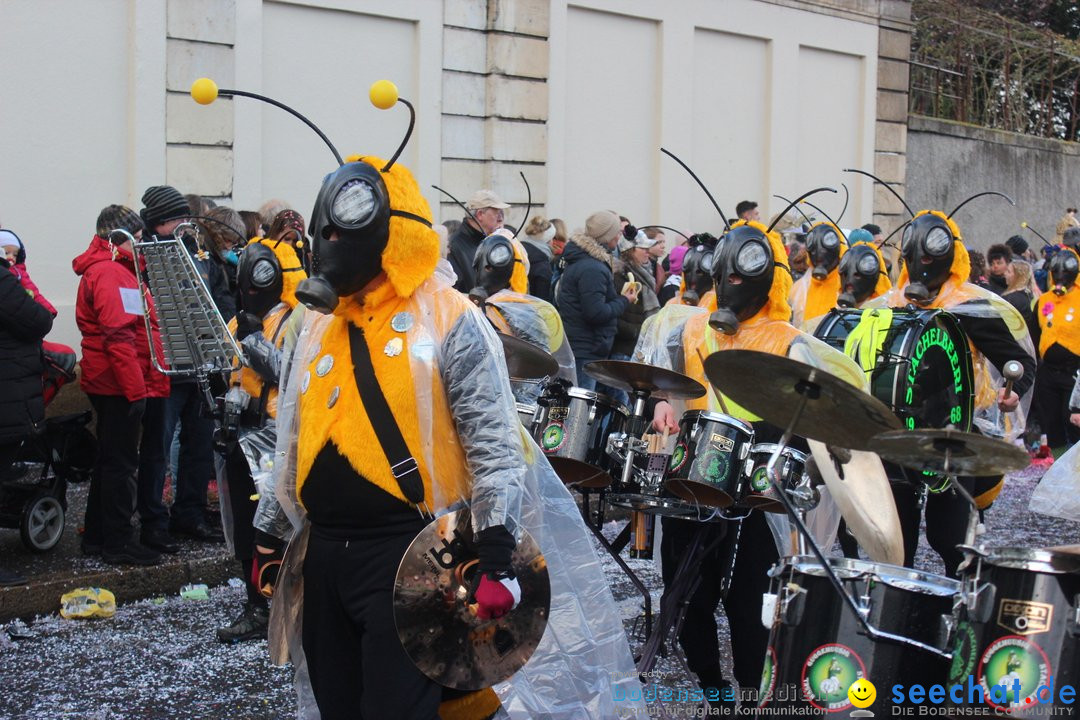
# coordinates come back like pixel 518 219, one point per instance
pixel 1053 388
pixel 111 500
pixel 947 516
pixel 756 553
pixel 358 667
pixel 196 462
pixel 241 487
pixel 153 515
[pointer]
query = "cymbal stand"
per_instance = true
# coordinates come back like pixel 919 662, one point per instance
pixel 808 391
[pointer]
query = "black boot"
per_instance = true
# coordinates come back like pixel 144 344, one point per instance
pixel 250 625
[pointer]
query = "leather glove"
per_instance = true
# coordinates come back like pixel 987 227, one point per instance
pixel 494 589
pixel 269 552
pixel 247 324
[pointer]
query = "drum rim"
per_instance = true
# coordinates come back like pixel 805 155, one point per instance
pixel 721 417
pixel 526 406
pixel 583 394
pixel 851 569
pixel 787 451
pixel 1045 561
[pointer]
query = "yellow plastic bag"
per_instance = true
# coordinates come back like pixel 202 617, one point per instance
pixel 87 602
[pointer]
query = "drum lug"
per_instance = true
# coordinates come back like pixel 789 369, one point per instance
pixel 791 605
pixel 1074 625
pixel 979 601
pixel 946 630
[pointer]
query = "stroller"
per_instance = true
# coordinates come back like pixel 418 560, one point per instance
pixel 35 471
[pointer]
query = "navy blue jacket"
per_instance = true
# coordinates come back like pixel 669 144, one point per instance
pixel 589 306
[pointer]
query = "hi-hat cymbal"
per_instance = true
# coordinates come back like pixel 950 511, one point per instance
pixel 949 452
pixel 657 381
pixel 770 386
pixel 525 360
pixel 441 632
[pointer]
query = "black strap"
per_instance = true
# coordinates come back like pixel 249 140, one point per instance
pixel 402 463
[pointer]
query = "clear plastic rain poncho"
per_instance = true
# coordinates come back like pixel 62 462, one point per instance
pixel 960 297
pixel 584 654
pixel 533 320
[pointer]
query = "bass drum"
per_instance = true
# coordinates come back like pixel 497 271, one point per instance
pixel 918 360
pixel 1019 623
pixel 817 649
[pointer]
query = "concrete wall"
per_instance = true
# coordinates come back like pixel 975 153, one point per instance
pixel 947 162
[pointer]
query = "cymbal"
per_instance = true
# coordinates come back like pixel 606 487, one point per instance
pixel 525 360
pixel 656 381
pixel 836 413
pixel 441 633
pixel 949 452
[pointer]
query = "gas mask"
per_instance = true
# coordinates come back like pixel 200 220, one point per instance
pixel 823 247
pixel 492 267
pixel 259 279
pixel 697 273
pixel 859 272
pixel 350 227
pixel 927 249
pixel 1064 268
pixel 742 273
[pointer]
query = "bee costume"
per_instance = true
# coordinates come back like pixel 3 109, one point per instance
pixel 397 330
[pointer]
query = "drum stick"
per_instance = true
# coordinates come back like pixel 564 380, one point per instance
pixel 1012 371
pixel 719 395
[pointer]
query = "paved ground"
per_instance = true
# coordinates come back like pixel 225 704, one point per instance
pixel 157 658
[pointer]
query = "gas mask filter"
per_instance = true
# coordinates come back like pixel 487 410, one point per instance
pixel 742 273
pixel 859 272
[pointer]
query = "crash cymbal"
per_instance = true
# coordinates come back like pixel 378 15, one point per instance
pixel 525 360
pixel 656 381
pixel 949 452
pixel 837 413
pixel 440 630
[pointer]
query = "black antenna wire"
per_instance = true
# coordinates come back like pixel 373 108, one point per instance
pixel 887 187
pixel 461 204
pixel 663 227
pixel 790 204
pixel 528 205
pixel 408 134
pixel 847 198
pixel 796 202
pixel 834 222
pixel 727 225
pixel 286 108
pixel 1037 233
pixel 979 195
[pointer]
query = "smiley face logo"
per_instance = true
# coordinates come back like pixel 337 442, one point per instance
pixel 862 693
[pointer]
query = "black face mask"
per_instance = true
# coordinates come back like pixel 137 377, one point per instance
pixel 742 273
pixel 353 203
pixel 259 279
pixel 928 253
pixel 492 266
pixel 1064 268
pixel 823 247
pixel 697 273
pixel 859 272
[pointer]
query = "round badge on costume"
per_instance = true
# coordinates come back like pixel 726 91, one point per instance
pixel 401 322
pixel 325 364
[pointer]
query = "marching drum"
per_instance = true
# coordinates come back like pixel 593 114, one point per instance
pixel 572 427
pixel 817 649
pixel 706 466
pixel 919 361
pixel 1019 621
pixel 759 492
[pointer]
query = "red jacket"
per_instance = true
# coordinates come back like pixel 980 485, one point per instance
pixel 115 353
pixel 19 269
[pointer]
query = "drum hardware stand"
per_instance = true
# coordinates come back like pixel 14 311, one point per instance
pixel 614 549
pixel 806 391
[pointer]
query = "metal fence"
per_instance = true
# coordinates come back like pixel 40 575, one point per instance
pixel 980 68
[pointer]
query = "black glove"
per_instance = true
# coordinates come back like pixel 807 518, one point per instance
pixel 494 588
pixel 137 408
pixel 246 324
pixel 265 565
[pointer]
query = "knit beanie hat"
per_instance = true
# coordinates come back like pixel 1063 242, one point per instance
pixel 603 226
pixel 859 235
pixel 675 258
pixel 1017 244
pixel 118 216
pixel 163 203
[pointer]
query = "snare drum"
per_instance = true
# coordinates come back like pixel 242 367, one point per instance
pixel 706 466
pixel 572 428
pixel 817 649
pixel 1019 622
pixel 759 492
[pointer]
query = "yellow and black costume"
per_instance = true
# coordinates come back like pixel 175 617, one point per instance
pixel 1058 312
pixel 815 293
pixel 441 371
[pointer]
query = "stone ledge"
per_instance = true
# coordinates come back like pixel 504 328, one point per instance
pixel 921 123
pixel 211 21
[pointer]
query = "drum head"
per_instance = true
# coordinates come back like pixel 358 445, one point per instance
pixel 440 631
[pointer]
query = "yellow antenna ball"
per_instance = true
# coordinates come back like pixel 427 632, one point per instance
pixel 384 94
pixel 1023 224
pixel 204 91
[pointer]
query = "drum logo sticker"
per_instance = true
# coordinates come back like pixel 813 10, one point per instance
pixel 1024 617
pixel 759 481
pixel 1009 660
pixel 964 652
pixel 722 442
pixel 553 438
pixel 711 467
pixel 678 458
pixel 768 678
pixel 828 673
